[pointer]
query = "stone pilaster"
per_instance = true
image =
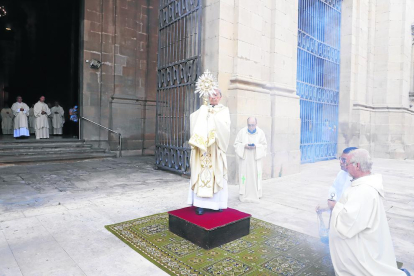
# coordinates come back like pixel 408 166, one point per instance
pixel 375 78
pixel 253 54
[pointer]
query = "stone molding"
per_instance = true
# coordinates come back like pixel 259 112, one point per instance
pixel 133 99
pixel 237 82
pixel 242 83
pixel 383 108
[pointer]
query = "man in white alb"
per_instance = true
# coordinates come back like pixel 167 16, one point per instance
pixel 359 237
pixel 250 147
pixel 341 182
pixel 58 119
pixel 6 120
pixel 41 112
pixel 21 122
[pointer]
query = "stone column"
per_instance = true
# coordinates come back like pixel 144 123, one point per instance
pixel 285 104
pixel 250 72
pixel 247 45
pixel 375 77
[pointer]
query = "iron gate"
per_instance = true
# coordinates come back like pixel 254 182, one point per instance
pixel 318 77
pixel 179 51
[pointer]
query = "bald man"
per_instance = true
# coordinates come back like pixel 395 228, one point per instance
pixel 250 147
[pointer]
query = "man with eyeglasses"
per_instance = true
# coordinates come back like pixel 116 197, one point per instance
pixel 342 181
pixel 359 236
pixel 250 147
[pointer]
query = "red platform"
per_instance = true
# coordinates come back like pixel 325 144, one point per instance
pixel 211 229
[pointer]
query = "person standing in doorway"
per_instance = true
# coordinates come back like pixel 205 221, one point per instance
pixel 21 123
pixel 58 119
pixel 6 120
pixel 42 112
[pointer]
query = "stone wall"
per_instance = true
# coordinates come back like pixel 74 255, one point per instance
pixel 376 53
pixel 251 47
pixel 123 35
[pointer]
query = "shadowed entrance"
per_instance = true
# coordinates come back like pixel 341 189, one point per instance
pixel 39 53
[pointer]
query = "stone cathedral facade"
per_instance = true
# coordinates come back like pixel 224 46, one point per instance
pixel 319 75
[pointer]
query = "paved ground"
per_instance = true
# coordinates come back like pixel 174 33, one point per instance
pixel 52 216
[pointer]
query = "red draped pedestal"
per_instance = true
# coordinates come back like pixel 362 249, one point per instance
pixel 211 229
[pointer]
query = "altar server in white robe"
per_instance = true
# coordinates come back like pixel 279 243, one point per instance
pixel 58 119
pixel 359 237
pixel 209 140
pixel 41 112
pixel 341 182
pixel 32 120
pixel 7 120
pixel 250 147
pixel 21 122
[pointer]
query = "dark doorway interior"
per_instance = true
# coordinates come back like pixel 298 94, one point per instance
pixel 39 53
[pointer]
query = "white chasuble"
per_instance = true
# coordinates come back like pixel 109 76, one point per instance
pixel 250 163
pixel 7 121
pixel 42 122
pixel 209 140
pixel 359 237
pixel 21 123
pixel 58 119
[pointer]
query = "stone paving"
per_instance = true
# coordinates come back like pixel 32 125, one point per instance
pixel 52 216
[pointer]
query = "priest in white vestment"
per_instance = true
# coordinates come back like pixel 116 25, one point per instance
pixel 209 140
pixel 7 120
pixel 21 122
pixel 58 119
pixel 41 112
pixel 32 120
pixel 250 147
pixel 341 182
pixel 359 237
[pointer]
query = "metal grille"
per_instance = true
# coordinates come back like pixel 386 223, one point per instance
pixel 178 68
pixel 318 77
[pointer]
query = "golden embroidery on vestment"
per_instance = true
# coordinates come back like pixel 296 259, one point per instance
pixel 206 174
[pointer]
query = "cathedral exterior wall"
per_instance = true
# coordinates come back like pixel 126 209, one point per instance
pixel 121 95
pixel 251 47
pixel 376 73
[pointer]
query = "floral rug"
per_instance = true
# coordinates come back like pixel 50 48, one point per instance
pixel 268 250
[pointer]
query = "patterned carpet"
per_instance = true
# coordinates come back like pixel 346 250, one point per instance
pixel 268 250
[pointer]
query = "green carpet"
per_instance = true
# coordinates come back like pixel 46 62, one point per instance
pixel 268 250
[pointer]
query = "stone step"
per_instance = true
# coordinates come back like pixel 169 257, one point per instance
pixel 55 149
pixel 42 152
pixel 33 142
pixel 54 158
pixel 41 141
pixel 45 146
